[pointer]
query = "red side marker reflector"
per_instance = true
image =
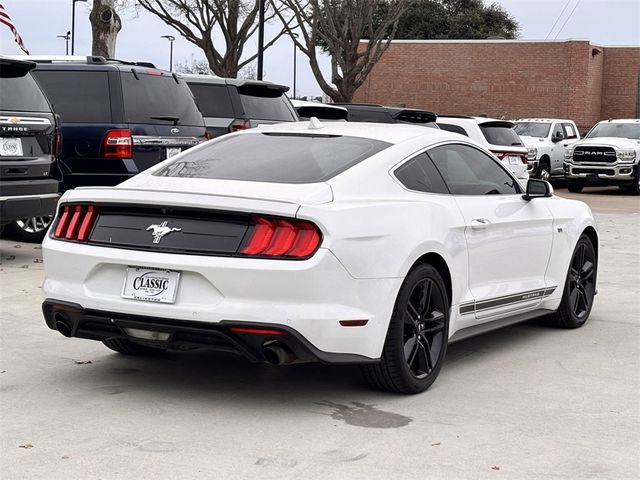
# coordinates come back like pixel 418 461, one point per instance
pixel 353 323
pixel 257 331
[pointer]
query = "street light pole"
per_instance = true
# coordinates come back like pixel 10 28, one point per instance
pixel 260 38
pixel 66 41
pixel 295 51
pixel 73 24
pixel 171 39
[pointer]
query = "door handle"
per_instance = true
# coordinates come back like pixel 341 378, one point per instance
pixel 479 223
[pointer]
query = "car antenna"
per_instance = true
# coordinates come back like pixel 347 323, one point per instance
pixel 315 124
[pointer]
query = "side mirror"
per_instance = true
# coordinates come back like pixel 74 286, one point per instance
pixel 558 137
pixel 538 189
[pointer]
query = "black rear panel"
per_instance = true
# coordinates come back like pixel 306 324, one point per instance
pixel 588 154
pixel 169 230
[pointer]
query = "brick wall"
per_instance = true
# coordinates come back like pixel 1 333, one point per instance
pixel 509 79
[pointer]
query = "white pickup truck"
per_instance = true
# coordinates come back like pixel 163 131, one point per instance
pixel 546 140
pixel 608 155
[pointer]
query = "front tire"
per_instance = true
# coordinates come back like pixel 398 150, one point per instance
pixel 580 286
pixel 417 338
pixel 574 187
pixel 544 171
pixel 127 347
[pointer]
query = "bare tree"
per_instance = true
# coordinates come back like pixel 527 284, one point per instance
pixel 337 26
pixel 196 20
pixel 201 67
pixel 105 25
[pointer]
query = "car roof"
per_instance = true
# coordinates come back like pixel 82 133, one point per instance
pixel 542 120
pixel 78 62
pixel 387 132
pixel 621 120
pixel 238 82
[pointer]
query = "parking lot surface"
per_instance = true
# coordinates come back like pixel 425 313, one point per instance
pixel 525 402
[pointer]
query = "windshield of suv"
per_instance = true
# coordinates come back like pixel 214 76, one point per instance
pixel 532 129
pixel 500 133
pixel 274 157
pixel 22 94
pixel 157 98
pixel 620 130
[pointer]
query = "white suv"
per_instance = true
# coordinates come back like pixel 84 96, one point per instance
pixel 608 155
pixel 498 136
pixel 546 140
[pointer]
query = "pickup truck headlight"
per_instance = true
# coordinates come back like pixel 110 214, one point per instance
pixel 568 153
pixel 532 153
pixel 626 155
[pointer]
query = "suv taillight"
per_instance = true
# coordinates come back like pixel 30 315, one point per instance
pixel 117 144
pixel 282 238
pixel 75 222
pixel 239 125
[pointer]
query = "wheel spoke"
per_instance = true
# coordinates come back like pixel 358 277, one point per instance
pixel 573 298
pixel 410 349
pixel 412 312
pixel 425 363
pixel 425 299
pixel 583 297
pixel 586 272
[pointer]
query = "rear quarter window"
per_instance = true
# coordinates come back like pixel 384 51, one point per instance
pixel 274 157
pixel 158 95
pixel 212 100
pixel 77 96
pixel 453 128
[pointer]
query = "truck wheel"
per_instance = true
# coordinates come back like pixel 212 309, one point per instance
pixel 544 171
pixel 574 187
pixel 31 230
pixel 635 186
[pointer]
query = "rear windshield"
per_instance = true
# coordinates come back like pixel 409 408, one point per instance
pixel 158 99
pixel 22 94
pixel 265 104
pixel 500 134
pixel 77 96
pixel 277 158
pixel 532 129
pixel 620 130
pixel 376 116
pixel 212 100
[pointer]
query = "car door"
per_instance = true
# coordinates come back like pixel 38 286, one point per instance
pixel 508 238
pixel 557 148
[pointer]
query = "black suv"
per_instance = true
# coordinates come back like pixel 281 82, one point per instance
pixel 118 118
pixel 29 140
pixel 364 112
pixel 230 104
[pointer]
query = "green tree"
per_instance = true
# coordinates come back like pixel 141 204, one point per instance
pixel 454 19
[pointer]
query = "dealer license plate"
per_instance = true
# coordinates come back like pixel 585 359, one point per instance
pixel 151 284
pixel 173 151
pixel 514 161
pixel 10 147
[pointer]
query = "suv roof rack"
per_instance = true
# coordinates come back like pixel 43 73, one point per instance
pixel 89 59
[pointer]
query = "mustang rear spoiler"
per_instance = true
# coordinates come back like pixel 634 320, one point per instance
pixel 322 112
pixel 411 115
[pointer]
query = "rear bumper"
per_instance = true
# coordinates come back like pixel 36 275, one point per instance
pixel 182 335
pixel 309 297
pixel 22 206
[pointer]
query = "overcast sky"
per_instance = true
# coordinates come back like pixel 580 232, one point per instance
pixel 605 22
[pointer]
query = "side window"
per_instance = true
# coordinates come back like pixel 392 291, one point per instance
pixel 212 100
pixel 468 171
pixel 453 128
pixel 569 131
pixel 420 175
pixel 557 130
pixel 81 97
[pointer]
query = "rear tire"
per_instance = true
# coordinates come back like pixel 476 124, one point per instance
pixel 579 287
pixel 574 187
pixel 417 338
pixel 30 230
pixel 127 347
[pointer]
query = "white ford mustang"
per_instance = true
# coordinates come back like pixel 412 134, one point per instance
pixel 340 243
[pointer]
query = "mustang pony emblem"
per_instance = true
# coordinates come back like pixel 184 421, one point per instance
pixel 159 231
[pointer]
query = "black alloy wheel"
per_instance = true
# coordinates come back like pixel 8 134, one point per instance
pixel 417 339
pixel 580 286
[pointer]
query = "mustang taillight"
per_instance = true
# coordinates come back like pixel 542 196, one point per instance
pixel 117 143
pixel 282 238
pixel 75 222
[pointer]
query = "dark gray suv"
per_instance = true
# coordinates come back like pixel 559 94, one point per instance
pixel 29 145
pixel 230 104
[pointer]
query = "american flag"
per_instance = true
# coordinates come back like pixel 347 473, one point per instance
pixel 4 18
